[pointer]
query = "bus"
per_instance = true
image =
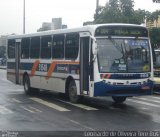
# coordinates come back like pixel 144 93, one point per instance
pixel 97 60
pixel 156 65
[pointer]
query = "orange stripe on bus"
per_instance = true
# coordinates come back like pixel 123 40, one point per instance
pixel 103 76
pixel 109 75
pixel 53 65
pixel 35 65
pixel 51 69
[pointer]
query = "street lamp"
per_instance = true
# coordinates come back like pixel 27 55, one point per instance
pixel 24 10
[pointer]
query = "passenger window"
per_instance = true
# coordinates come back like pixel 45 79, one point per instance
pixel 35 47
pixel 72 46
pixel 11 49
pixel 58 47
pixel 46 44
pixel 25 48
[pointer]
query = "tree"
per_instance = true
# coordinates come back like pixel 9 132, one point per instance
pixel 127 10
pixel 139 16
pixel 154 36
pixel 156 1
pixel 119 11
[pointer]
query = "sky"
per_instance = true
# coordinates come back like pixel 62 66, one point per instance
pixel 73 13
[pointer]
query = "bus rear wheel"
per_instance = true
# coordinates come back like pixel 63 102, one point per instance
pixel 119 100
pixel 73 97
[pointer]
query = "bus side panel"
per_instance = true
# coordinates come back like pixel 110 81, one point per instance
pixel 35 81
pixel 53 84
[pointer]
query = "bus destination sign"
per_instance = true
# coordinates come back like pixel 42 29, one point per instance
pixel 128 31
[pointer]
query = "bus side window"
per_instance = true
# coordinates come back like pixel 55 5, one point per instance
pixel 11 49
pixel 72 46
pixel 25 48
pixel 58 47
pixel 35 48
pixel 46 43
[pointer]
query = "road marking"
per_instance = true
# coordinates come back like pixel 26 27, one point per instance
pixel 155 97
pixel 78 105
pixel 77 123
pixel 48 104
pixel 15 93
pixel 147 99
pixel 4 110
pixel 17 101
pixel 31 109
pixel 27 109
pixel 35 109
pixel 144 103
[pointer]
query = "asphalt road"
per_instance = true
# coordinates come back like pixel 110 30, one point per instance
pixel 49 112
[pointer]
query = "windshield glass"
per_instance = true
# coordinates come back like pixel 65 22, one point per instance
pixel 123 55
pixel 157 60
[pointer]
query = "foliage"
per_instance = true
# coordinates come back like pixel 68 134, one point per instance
pixel 154 36
pixel 122 11
pixel 119 11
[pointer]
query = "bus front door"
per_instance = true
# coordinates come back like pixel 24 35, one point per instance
pixel 84 65
pixel 17 60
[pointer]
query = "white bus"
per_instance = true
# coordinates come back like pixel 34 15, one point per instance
pixel 98 60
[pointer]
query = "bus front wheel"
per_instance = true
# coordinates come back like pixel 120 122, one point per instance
pixel 74 98
pixel 26 84
pixel 119 100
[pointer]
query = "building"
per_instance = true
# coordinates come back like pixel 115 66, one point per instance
pixel 54 25
pixel 3 41
pixel 152 24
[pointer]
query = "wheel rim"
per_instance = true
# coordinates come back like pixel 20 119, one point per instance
pixel 73 93
pixel 26 85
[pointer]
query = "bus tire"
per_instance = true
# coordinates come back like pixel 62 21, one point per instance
pixel 72 93
pixel 119 100
pixel 26 83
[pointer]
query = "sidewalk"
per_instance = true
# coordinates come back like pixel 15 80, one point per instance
pixel 3 67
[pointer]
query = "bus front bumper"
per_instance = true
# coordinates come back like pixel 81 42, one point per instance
pixel 104 89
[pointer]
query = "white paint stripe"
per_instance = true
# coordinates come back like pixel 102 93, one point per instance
pixel 158 98
pixel 78 105
pixel 77 123
pixel 148 99
pixel 4 110
pixel 27 109
pixel 18 93
pixel 48 104
pixel 17 101
pixel 144 103
pixel 35 109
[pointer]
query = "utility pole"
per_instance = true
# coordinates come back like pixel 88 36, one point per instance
pixel 24 14
pixel 97 6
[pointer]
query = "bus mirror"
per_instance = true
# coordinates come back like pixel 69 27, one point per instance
pixel 95 52
pixel 93 38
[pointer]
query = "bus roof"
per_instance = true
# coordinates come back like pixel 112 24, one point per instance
pixel 89 28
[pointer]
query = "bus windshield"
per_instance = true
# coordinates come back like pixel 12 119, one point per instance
pixel 123 55
pixel 157 59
